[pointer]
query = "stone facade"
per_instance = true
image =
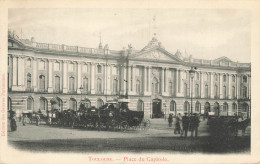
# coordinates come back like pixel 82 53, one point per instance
pixel 154 79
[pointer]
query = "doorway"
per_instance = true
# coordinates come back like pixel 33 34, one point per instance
pixel 157 105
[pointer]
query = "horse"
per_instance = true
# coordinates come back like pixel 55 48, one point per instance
pixel 242 125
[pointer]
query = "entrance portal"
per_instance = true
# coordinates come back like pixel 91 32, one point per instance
pixel 157 105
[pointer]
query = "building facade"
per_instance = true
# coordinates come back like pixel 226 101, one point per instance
pixel 155 80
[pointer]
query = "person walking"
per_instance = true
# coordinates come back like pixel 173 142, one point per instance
pixel 185 124
pixel 170 120
pixel 180 122
pixel 194 124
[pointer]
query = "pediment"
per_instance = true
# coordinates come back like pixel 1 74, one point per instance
pixel 223 59
pixel 157 55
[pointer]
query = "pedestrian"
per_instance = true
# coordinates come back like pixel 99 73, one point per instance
pixel 194 124
pixel 185 124
pixel 170 120
pixel 176 125
pixel 24 119
pixel 180 122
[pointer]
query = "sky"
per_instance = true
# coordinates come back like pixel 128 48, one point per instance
pixel 202 33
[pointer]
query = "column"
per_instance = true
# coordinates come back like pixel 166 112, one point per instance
pixel 125 81
pixel 108 85
pixel 15 75
pixel 229 86
pixel 162 81
pixel 134 82
pixel 129 81
pixel 92 66
pixel 149 80
pixel 21 71
pixel 221 86
pixel 65 77
pixel 249 87
pixel 50 87
pixel 79 77
pixel 211 85
pixel 166 90
pixel 248 90
pixel 145 81
pixel 238 86
pixel 180 81
pixel 34 75
pixel 105 77
pixel 202 88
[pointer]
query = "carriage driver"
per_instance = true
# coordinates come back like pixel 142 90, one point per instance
pixel 124 107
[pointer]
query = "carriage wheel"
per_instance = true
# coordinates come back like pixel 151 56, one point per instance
pixel 124 126
pixel 147 124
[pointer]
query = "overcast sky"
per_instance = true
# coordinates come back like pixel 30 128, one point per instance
pixel 203 33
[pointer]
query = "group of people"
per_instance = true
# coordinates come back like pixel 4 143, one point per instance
pixel 183 124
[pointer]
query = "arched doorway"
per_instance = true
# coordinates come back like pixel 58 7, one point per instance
pixel 245 110
pixel 197 107
pixel 43 104
pixel 157 105
pixel 206 108
pixel 86 102
pixel 56 104
pixel 216 108
pixel 140 105
pixel 173 107
pixel 73 104
pixel 100 103
pixel 186 107
pixel 30 103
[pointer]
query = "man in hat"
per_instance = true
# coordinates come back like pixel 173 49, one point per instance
pixel 185 124
pixel 194 124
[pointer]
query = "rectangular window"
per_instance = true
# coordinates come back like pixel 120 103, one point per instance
pixel 85 68
pixel 42 65
pixel 71 67
pixel 71 84
pixel 57 83
pixel 56 66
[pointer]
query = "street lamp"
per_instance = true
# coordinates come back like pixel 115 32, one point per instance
pixel 192 73
pixel 81 90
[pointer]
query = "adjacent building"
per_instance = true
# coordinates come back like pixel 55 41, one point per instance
pixel 155 80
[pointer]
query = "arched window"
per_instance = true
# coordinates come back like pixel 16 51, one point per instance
pixel 115 86
pixel 216 91
pixel 234 107
pixel 115 70
pixel 225 107
pixel 57 83
pixel 42 65
pixel 206 91
pixel 43 104
pixel 197 76
pixel 85 84
pixel 197 91
pixel 29 63
pixel 29 80
pixel 216 77
pixel 85 68
pixel 216 108
pixel 30 103
pixel 208 77
pixel 138 87
pixel 244 92
pixel 206 108
pixel 173 106
pixel 100 103
pixel 224 92
pixel 244 79
pixel 140 105
pixel 233 78
pixel 224 78
pixel 73 104
pixel 197 107
pixel 245 110
pixel 99 85
pixel 233 92
pixel 71 67
pixel 99 69
pixel 170 88
pixel 155 85
pixel 56 66
pixel 60 103
pixel 186 106
pixel 86 103
pixel 71 84
pixel 186 92
pixel 42 81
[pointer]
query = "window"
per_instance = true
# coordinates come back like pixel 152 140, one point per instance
pixel 29 80
pixel 244 92
pixel 170 88
pixel 216 91
pixel 115 85
pixel 225 107
pixel 71 84
pixel 57 83
pixel 206 91
pixel 73 104
pixel 233 92
pixel 173 106
pixel 186 106
pixel 155 86
pixel 137 71
pixel 138 88
pixel 71 67
pixel 30 103
pixel 85 84
pixel 99 85
pixel 216 77
pixel 99 69
pixel 233 78
pixel 140 105
pixel 208 76
pixel 197 91
pixel 56 66
pixel 43 104
pixel 244 79
pixel 197 76
pixel 197 107
pixel 186 91
pixel 100 103
pixel 224 92
pixel 234 107
pixel 29 63
pixel 115 70
pixel 224 78
pixel 42 65
pixel 42 81
pixel 85 68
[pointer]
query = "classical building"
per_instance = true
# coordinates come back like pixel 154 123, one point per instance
pixel 154 79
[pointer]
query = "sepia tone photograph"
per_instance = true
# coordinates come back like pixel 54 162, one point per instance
pixel 129 80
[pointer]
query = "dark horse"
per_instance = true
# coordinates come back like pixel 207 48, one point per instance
pixel 242 125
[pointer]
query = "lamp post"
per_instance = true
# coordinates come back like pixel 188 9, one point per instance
pixel 192 73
